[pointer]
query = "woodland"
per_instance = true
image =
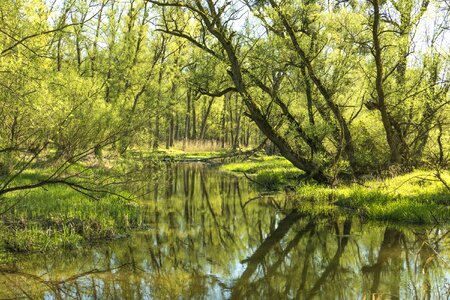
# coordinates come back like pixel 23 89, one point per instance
pixel 338 88
pixel 194 144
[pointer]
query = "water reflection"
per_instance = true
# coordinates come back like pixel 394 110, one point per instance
pixel 212 236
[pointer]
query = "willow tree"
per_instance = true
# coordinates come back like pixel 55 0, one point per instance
pixel 409 92
pixel 53 114
pixel 312 73
pixel 209 27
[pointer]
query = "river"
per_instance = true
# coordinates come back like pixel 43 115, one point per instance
pixel 212 235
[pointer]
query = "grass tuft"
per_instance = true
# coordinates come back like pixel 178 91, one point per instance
pixel 270 172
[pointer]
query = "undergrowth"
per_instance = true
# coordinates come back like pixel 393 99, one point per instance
pixel 57 216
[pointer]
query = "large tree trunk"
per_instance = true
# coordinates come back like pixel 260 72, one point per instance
pixel 391 136
pixel 211 19
pixel 347 146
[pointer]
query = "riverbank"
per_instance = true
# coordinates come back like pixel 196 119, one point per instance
pixel 59 216
pixel 414 198
pixel 97 205
pixel 210 232
pixel 418 197
pixel 93 203
pixel 267 172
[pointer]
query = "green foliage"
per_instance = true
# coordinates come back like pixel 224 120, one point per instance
pixel 98 82
pixel 81 79
pixel 34 239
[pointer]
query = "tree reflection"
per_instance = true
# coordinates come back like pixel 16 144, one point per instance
pixel 389 260
pixel 213 236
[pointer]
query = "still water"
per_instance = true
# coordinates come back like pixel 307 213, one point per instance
pixel 213 236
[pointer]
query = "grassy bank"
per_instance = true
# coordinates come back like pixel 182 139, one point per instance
pixel 416 197
pixel 176 154
pixel 268 172
pixel 58 216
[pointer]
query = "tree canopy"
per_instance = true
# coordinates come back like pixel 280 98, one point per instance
pixel 339 88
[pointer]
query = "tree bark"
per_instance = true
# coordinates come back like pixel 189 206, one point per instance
pixel 326 94
pixel 392 139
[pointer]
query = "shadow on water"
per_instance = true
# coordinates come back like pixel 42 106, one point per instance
pixel 211 235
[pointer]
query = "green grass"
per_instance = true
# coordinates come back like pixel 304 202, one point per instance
pixel 255 164
pixel 270 172
pixel 176 154
pixel 59 217
pixel 417 197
